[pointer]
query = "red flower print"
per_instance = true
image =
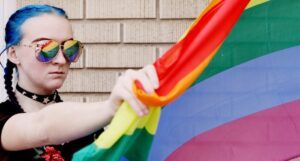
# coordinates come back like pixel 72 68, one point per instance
pixel 51 154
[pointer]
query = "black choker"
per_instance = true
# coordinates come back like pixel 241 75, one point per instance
pixel 44 99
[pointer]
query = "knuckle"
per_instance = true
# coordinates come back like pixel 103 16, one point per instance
pixel 130 72
pixel 121 78
pixel 149 67
pixel 128 97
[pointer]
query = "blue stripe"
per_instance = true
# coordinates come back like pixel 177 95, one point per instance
pixel 124 159
pixel 259 84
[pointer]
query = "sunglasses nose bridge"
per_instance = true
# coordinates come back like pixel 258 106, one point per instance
pixel 60 56
pixel 61 47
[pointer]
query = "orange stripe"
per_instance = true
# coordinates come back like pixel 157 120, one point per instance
pixel 166 63
pixel 156 100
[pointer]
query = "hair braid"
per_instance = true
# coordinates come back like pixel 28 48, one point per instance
pixel 8 76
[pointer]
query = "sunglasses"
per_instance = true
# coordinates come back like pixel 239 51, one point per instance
pixel 47 50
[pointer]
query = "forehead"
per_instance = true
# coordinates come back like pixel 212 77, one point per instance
pixel 47 26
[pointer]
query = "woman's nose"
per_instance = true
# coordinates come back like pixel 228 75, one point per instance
pixel 60 58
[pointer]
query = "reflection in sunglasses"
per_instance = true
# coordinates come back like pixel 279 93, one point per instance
pixel 47 50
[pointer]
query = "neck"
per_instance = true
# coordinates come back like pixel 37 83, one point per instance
pixel 34 89
pixel 27 104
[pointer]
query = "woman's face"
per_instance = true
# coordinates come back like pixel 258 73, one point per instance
pixel 37 76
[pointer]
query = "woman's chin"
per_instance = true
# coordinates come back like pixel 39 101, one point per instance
pixel 55 85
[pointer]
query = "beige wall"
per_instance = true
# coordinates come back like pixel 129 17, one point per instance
pixel 118 35
pixel 7 7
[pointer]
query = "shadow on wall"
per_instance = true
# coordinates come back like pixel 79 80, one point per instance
pixel 6 8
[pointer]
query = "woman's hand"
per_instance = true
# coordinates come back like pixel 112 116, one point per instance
pixel 123 90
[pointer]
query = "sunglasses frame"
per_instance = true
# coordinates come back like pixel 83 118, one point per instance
pixel 38 49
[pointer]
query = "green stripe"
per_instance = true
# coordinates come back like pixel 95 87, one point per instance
pixel 261 30
pixel 141 147
pixel 135 147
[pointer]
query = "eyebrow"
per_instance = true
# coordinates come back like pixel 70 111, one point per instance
pixel 44 38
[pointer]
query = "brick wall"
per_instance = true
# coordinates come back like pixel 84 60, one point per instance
pixel 118 35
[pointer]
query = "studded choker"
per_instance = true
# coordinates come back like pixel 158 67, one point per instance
pixel 44 99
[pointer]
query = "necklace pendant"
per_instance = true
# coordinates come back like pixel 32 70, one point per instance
pixel 34 97
pixel 46 100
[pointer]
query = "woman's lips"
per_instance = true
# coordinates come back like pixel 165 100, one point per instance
pixel 57 72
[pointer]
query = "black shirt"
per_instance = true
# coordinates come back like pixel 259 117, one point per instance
pixel 8 109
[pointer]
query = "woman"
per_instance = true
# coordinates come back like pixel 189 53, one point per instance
pixel 40 46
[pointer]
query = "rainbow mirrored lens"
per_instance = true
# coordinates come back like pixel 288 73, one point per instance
pixel 48 51
pixel 72 50
pixel 50 48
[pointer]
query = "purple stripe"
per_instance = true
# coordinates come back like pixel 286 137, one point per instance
pixel 270 135
pixel 254 86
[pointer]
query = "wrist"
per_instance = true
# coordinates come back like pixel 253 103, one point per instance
pixel 111 107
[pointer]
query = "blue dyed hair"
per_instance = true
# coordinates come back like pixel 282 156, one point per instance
pixel 13 35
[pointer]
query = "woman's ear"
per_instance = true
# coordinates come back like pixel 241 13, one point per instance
pixel 12 56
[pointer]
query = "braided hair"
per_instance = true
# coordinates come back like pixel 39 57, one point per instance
pixel 13 35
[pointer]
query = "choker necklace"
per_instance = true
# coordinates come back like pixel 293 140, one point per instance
pixel 44 99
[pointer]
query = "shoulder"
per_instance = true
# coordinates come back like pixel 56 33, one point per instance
pixel 4 109
pixel 7 109
pixel 5 103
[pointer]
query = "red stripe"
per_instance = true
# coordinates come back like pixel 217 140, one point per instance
pixel 199 43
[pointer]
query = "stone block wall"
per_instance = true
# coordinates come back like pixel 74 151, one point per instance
pixel 118 35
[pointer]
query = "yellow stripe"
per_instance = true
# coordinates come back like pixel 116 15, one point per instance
pixel 69 43
pixel 125 122
pixel 149 121
pixel 254 3
pixel 50 46
pixel 123 119
pixel 152 124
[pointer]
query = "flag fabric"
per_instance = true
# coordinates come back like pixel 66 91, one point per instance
pixel 129 137
pixel 245 106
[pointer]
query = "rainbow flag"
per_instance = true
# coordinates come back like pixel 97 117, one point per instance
pixel 243 101
pixel 245 106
